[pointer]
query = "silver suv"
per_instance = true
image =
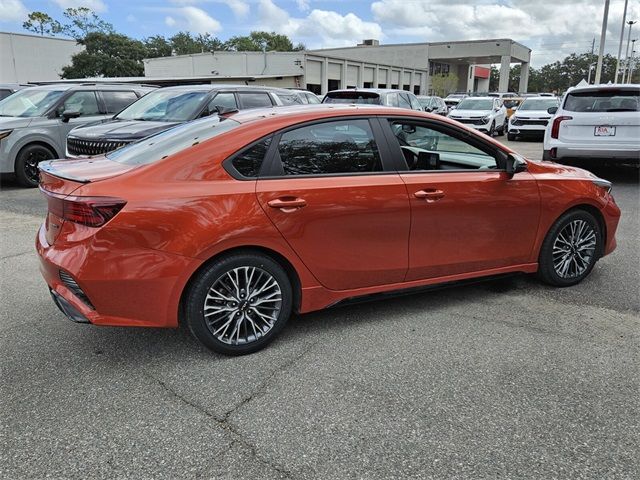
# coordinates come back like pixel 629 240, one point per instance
pixel 34 121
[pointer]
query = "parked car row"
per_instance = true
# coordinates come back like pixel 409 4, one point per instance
pixel 73 120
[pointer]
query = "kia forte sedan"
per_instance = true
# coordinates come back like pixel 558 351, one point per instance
pixel 230 223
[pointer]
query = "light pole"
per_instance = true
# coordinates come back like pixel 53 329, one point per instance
pixel 603 36
pixel 631 61
pixel 624 20
pixel 626 55
pixel 590 70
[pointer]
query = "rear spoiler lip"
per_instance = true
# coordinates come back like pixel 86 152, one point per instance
pixel 47 166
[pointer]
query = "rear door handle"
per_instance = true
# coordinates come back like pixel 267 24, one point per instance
pixel 430 195
pixel 287 204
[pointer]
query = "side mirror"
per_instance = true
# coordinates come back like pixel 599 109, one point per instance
pixel 69 114
pixel 515 164
pixel 552 110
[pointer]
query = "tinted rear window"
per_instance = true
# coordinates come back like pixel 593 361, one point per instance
pixel 368 98
pixel 161 145
pixel 610 100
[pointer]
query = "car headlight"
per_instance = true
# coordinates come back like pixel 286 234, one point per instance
pixel 604 184
pixel 486 119
pixel 5 133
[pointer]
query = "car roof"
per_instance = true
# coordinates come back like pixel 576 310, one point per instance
pixel 372 90
pixel 85 86
pixel 220 86
pixel 598 88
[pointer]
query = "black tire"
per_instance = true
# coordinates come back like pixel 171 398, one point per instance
pixel 194 306
pixel 511 137
pixel 502 130
pixel 546 269
pixel 27 162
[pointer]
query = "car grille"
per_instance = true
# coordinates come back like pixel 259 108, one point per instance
pixel 72 285
pixel 77 146
pixel 471 121
pixel 527 121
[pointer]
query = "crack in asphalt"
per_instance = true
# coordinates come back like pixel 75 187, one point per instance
pixel 223 422
pixel 13 255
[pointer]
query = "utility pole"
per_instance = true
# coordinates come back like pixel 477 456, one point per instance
pixel 624 20
pixel 603 37
pixel 593 44
pixel 626 55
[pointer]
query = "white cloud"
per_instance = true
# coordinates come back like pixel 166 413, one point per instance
pixel 192 19
pixel 552 29
pixel 304 5
pixel 320 28
pixel 12 10
pixel 239 8
pixel 97 6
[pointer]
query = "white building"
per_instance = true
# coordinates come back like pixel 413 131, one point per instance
pixel 34 58
pixel 404 66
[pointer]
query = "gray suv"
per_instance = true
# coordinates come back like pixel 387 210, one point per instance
pixel 34 121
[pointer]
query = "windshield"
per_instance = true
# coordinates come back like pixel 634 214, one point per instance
pixel 610 100
pixel 538 104
pixel 476 104
pixel 29 103
pixel 165 106
pixel 368 98
pixel 424 101
pixel 166 143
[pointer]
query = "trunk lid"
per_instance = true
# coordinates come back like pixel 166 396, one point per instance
pixel 60 178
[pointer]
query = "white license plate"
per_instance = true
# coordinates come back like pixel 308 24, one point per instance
pixel 604 131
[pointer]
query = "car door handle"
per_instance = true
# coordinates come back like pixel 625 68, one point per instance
pixel 430 195
pixel 287 204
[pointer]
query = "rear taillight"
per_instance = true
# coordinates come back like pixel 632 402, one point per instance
pixel 89 211
pixel 555 128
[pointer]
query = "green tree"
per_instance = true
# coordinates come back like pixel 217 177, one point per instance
pixel 259 41
pixel 443 84
pixel 158 46
pixel 41 23
pixel 83 21
pixel 107 55
pixel 183 43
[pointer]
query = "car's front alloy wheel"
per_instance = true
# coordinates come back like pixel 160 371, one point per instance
pixel 571 249
pixel 239 303
pixel 27 162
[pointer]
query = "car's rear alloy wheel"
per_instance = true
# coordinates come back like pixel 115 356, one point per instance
pixel 239 303
pixel 27 163
pixel 571 249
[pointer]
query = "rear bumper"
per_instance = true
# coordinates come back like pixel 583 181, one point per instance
pixel 558 150
pixel 135 288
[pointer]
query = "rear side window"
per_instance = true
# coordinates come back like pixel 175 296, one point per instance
pixel 610 100
pixel 249 162
pixel 367 98
pixel 312 99
pixel 346 146
pixel 255 100
pixel 163 144
pixel 116 101
pixel 5 93
pixel 415 104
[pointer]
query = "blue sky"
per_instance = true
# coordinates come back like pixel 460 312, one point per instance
pixel 551 28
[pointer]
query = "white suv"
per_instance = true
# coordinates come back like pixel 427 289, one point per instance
pixel 595 122
pixel 482 113
pixel 531 117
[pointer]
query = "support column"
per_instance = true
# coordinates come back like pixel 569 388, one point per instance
pixel 524 77
pixel 343 74
pixel 324 80
pixel 376 76
pixel 503 84
pixel 470 72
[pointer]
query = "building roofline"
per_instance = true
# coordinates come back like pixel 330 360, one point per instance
pixel 454 42
pixel 48 37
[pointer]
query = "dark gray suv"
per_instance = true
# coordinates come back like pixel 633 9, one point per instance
pixel 34 121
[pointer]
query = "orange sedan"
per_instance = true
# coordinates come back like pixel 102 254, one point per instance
pixel 229 224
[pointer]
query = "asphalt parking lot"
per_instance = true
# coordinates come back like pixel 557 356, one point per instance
pixel 503 379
